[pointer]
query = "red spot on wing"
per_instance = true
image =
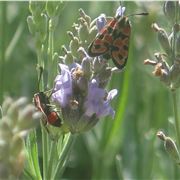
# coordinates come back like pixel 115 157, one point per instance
pixel 113 41
pixel 126 31
pixel 103 40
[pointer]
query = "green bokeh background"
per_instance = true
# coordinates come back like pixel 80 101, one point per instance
pixel 126 146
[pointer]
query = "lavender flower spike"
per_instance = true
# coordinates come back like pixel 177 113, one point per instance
pixel 63 86
pixel 98 101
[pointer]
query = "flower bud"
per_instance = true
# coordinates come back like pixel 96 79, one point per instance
pixel 54 7
pixel 55 57
pixel 170 147
pixel 177 41
pixel 85 16
pixel 25 120
pixel 83 54
pixel 104 77
pixel 97 66
pixel 31 25
pixel 42 26
pixel 18 164
pixel 51 7
pixel 5 130
pixel 101 22
pixel 16 146
pixel 4 149
pixel 162 73
pixel 74 44
pixel 77 123
pixel 86 67
pixel 83 31
pixel 61 59
pixel 6 104
pixel 82 83
pixel 163 39
pixel 169 9
pixel 36 7
pixel 53 23
pixel 13 111
pixel 161 135
pixel 92 33
pixel 150 62
pixel 175 75
pixel 68 58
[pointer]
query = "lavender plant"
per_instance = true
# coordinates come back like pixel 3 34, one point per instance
pixel 78 93
pixel 71 79
pixel 167 68
pixel 18 118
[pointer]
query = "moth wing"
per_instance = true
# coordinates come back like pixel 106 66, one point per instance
pixel 101 44
pixel 119 52
pixel 120 45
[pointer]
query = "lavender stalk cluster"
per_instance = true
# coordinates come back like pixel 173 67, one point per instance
pixel 167 64
pixel 18 118
pixel 79 91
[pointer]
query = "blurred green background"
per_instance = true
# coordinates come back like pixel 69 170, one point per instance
pixel 125 147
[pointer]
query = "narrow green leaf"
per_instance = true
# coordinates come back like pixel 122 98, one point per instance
pixel 114 132
pixel 33 153
pixel 64 154
pixel 14 41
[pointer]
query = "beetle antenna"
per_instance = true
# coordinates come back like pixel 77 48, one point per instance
pixel 40 76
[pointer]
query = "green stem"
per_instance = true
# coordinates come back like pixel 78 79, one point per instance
pixel 174 95
pixel 45 148
pixel 48 162
pixel 176 116
pixel 13 43
pixel 99 167
pixel 34 154
pixel 45 143
pixel 63 156
pixel 50 52
pixel 52 159
pixel 3 46
pixel 51 40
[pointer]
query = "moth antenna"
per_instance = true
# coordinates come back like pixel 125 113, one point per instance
pixel 142 14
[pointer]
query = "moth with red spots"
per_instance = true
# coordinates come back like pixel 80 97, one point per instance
pixel 42 103
pixel 113 40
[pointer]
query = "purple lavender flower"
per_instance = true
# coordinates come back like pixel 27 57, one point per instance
pixel 63 86
pixel 98 101
pixel 120 11
pixel 101 22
